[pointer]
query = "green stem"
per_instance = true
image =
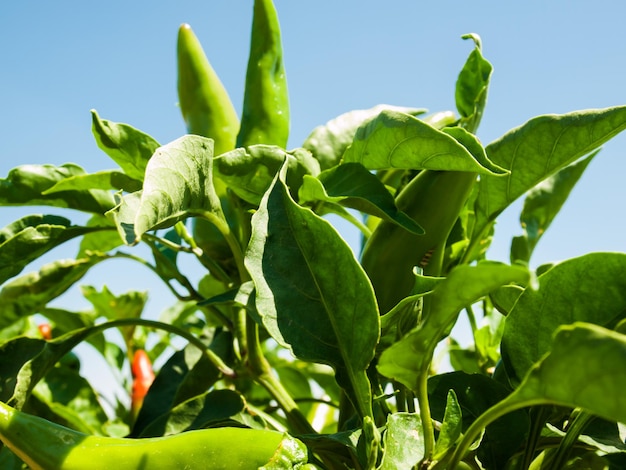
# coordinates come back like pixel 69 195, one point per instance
pixel 424 407
pixel 539 415
pixel 569 440
pixel 262 373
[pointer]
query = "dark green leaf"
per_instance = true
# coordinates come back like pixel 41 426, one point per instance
pixel 538 149
pixel 248 172
pixel 186 374
pixel 107 179
pixel 475 394
pixel 329 141
pixel 451 426
pixel 590 288
pixel 398 140
pixel 405 360
pixel 128 147
pixel 26 184
pixel 30 237
pixel 196 413
pixel 69 396
pixel 28 294
pixel 352 185
pixel 313 312
pixel 100 241
pixel 542 204
pixel 403 442
pixel 596 355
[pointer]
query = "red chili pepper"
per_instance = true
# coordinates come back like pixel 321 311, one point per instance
pixel 45 330
pixel 143 376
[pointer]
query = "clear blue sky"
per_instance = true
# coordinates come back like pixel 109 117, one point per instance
pixel 60 59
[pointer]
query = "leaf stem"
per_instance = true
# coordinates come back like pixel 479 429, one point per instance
pixel 262 373
pixel 424 407
pixel 569 440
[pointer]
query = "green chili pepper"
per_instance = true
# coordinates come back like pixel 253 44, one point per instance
pixel 265 118
pixel 204 102
pixel 434 200
pixel 48 446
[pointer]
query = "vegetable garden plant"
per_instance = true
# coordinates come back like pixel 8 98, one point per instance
pixel 297 353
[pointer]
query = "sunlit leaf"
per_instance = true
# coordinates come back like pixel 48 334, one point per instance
pixel 328 142
pixel 538 149
pixel 403 442
pixel 128 147
pixel 398 140
pixel 26 184
pixel 590 288
pixel 249 171
pixel 32 236
pixel 107 179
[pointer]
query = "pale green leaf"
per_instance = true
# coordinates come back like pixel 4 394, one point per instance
pixel 128 147
pixel 328 142
pixel 403 442
pixel 106 179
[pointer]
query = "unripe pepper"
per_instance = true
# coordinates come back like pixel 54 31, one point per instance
pixel 143 376
pixel 434 200
pixel 204 102
pixel 265 118
pixel 48 446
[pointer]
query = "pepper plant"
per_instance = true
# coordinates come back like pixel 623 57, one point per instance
pixel 325 356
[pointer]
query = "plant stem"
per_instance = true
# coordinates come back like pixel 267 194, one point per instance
pixel 571 436
pixel 538 417
pixel 262 373
pixel 424 407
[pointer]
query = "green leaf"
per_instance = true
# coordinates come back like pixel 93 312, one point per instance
pixel 101 241
pixel 313 313
pixel 353 186
pixel 70 396
pixel 476 393
pixel 405 360
pixel 329 141
pixel 28 294
pixel 25 185
pixel 32 236
pixel 398 140
pixel 128 147
pixel 178 183
pixel 590 288
pixel 403 442
pixel 196 413
pixel 107 179
pixel 596 355
pixel 472 85
pixel 541 206
pixel 249 171
pixel 451 426
pixel 186 374
pixel 538 149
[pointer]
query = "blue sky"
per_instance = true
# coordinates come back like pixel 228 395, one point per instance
pixel 61 59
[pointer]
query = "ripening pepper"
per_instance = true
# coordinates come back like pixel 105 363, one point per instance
pixel 265 117
pixel 44 445
pixel 143 376
pixel 204 102
pixel 434 200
